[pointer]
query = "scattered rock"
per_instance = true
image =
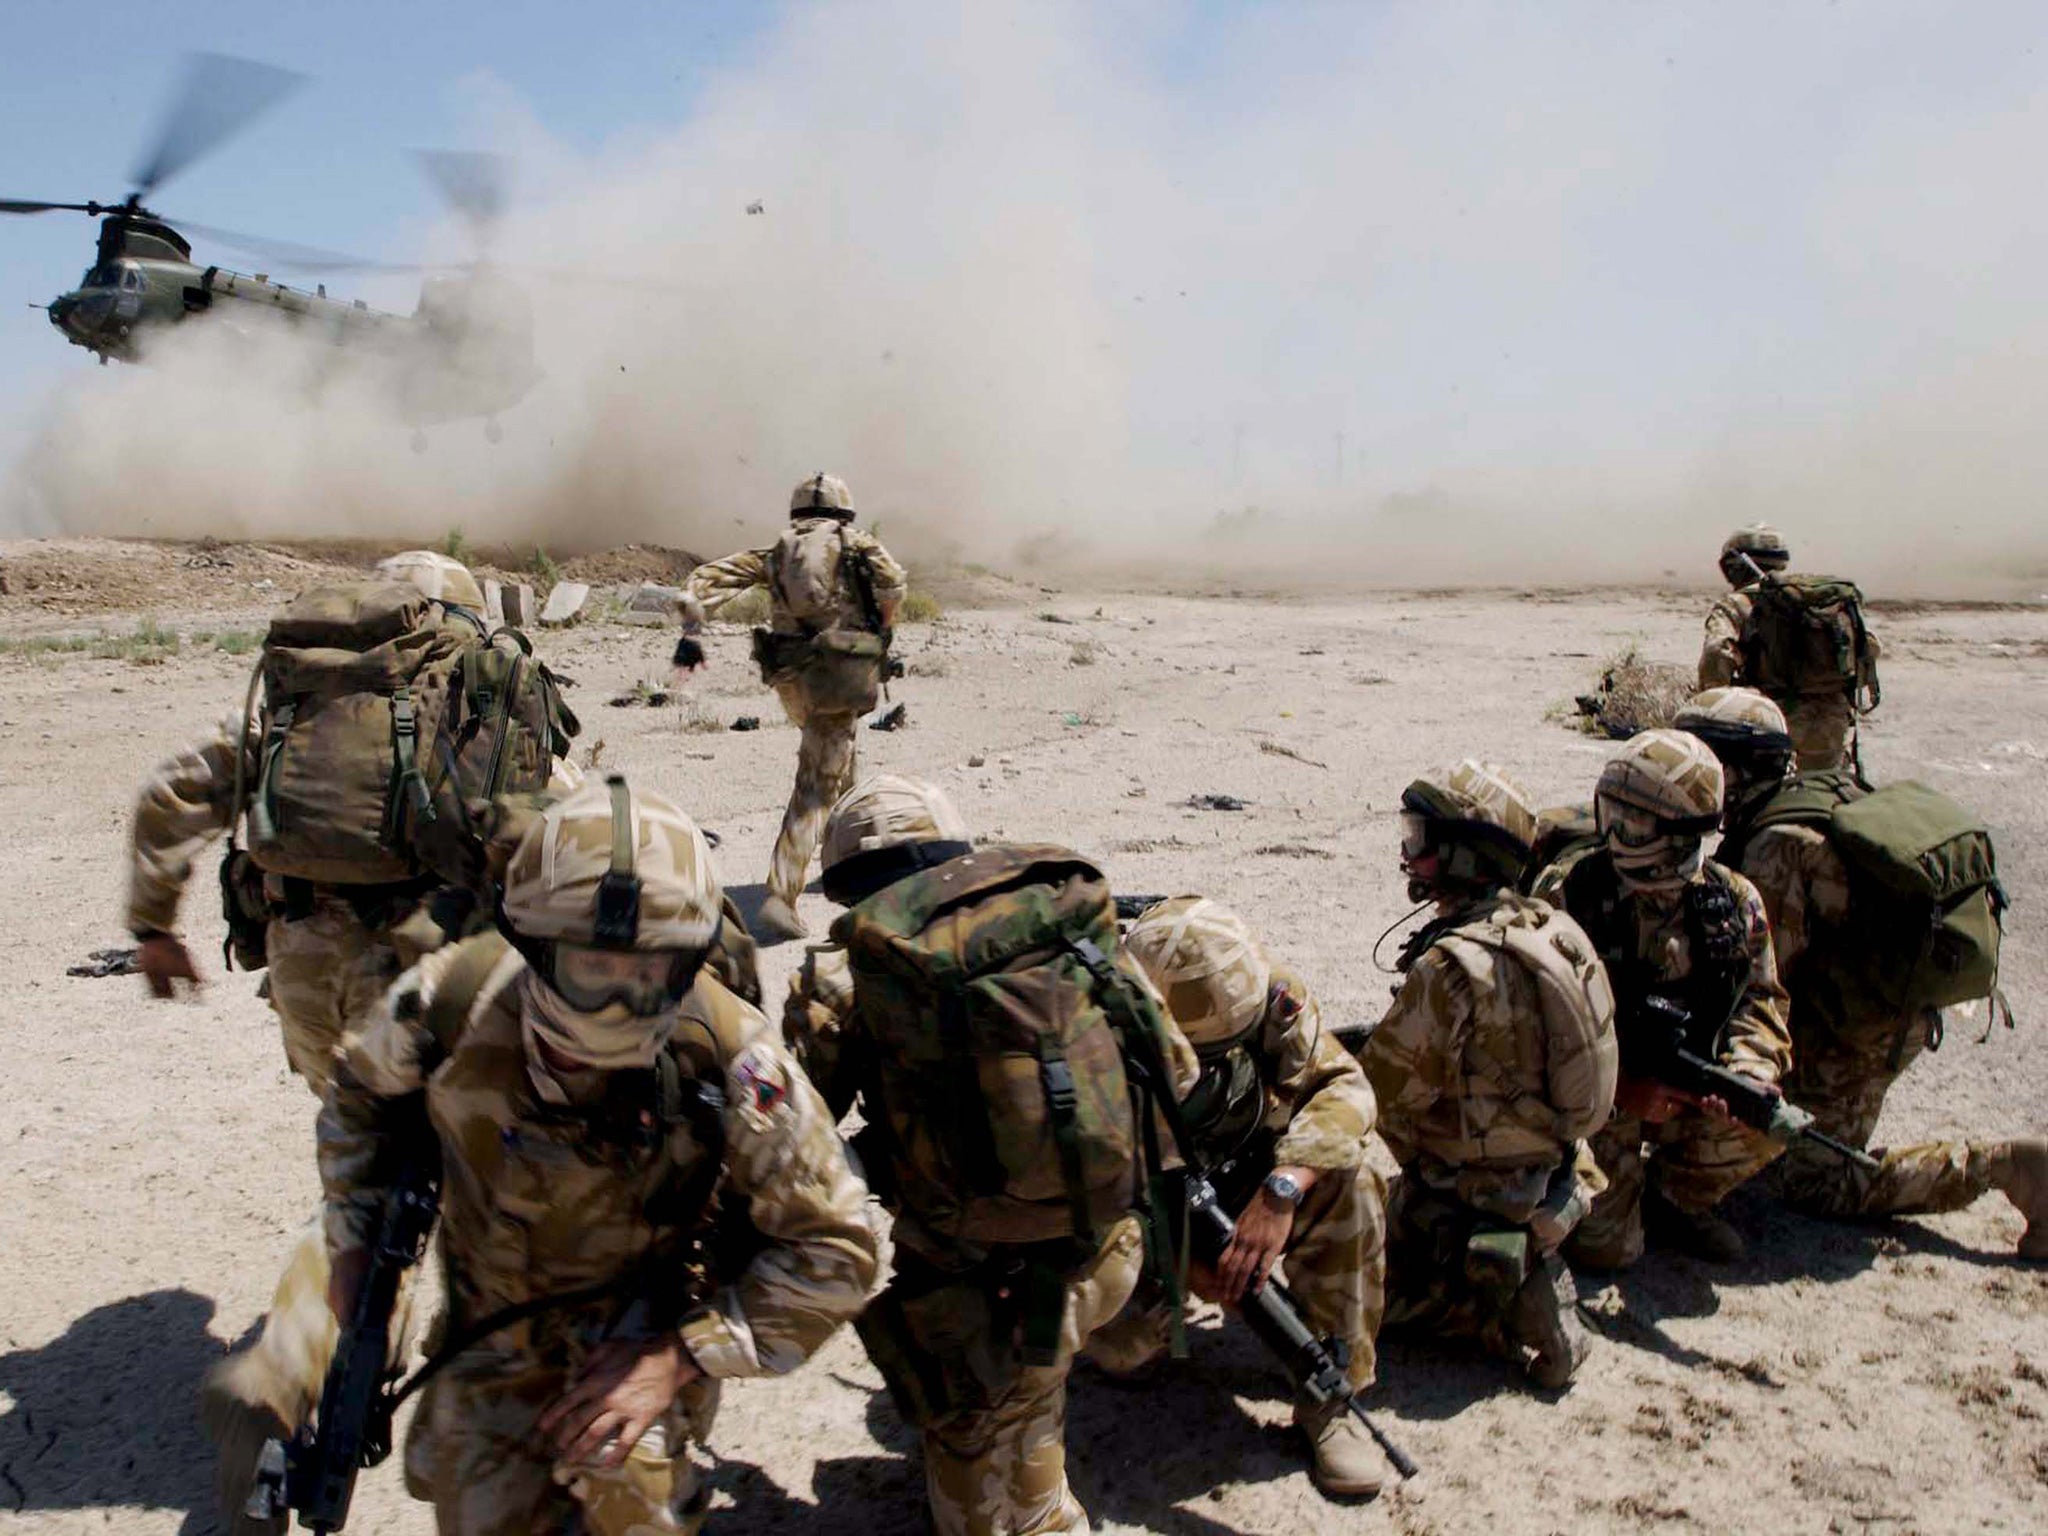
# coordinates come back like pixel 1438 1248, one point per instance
pixel 652 603
pixel 1293 851
pixel 893 719
pixel 494 602
pixel 1217 803
pixel 976 761
pixel 747 723
pixel 564 604
pixel 521 612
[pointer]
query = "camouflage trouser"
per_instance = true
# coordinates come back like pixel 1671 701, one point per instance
pixel 327 971
pixel 1336 1266
pixel 1432 1284
pixel 824 772
pixel 1823 730
pixel 1695 1160
pixel 1841 1077
pixel 475 1454
pixel 1002 1470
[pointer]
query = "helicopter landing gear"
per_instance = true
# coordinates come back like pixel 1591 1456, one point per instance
pixel 419 441
pixel 493 433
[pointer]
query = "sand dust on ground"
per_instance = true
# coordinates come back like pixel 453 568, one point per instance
pixel 155 1159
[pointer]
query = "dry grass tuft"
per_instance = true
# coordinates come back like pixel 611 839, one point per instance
pixel 1634 695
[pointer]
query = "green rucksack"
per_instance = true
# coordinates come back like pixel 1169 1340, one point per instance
pixel 999 1028
pixel 1926 906
pixel 1805 637
pixel 388 724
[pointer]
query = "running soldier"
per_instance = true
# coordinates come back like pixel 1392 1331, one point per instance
pixel 1799 639
pixel 1497 1057
pixel 832 591
pixel 1854 1027
pixel 1674 931
pixel 1282 1119
pixel 589 1090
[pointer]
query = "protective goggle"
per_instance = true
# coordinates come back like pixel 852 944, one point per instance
pixel 1416 838
pixel 646 982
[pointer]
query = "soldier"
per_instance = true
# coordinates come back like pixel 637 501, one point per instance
pixel 561 1064
pixel 1670 925
pixel 1801 640
pixel 975 1338
pixel 1496 1058
pixel 1848 1045
pixel 1282 1118
pixel 832 592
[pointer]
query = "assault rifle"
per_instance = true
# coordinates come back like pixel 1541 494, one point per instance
pixel 315 1472
pixel 1130 908
pixel 1316 1366
pixel 1657 1044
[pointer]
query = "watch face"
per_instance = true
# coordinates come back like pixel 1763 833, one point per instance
pixel 1283 1188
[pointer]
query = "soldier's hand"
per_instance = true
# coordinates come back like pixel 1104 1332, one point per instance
pixel 163 960
pixel 1650 1102
pixel 1262 1229
pixel 624 1386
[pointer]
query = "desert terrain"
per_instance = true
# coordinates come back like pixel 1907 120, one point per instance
pixel 155 1158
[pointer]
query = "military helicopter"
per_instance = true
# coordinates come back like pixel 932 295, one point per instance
pixel 465 351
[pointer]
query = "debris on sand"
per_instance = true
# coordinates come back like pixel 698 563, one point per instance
pixel 1279 749
pixel 1634 695
pixel 1292 851
pixel 1216 803
pixel 747 723
pixel 893 719
pixel 650 695
pixel 107 962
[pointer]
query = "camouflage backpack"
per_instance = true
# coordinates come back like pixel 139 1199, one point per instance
pixel 1006 1044
pixel 1805 637
pixel 816 578
pixel 1928 911
pixel 388 725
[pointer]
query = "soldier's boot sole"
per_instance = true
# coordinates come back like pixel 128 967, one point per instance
pixel 2018 1169
pixel 239 1426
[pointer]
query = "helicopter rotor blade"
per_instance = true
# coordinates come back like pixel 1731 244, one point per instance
pixel 289 254
pixel 16 205
pixel 471 182
pixel 220 95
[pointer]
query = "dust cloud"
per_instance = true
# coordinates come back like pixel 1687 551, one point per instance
pixel 1416 294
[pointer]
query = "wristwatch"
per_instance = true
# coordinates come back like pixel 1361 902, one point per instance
pixel 1284 1188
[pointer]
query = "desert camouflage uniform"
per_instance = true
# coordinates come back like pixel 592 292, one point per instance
pixel 999 1468
pixel 1845 1057
pixel 1698 1160
pixel 536 1202
pixel 1438 1110
pixel 327 969
pixel 1822 725
pixel 825 754
pixel 1315 1110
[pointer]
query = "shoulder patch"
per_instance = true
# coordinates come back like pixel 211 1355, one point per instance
pixel 762 1079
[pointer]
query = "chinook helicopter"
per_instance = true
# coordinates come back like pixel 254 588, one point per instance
pixel 465 351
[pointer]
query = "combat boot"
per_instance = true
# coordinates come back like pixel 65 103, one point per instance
pixel 1344 1463
pixel 1703 1234
pixel 240 1423
pixel 2018 1169
pixel 1544 1319
pixel 777 921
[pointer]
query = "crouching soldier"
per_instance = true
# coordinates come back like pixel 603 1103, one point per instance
pixel 587 1088
pixel 1496 1058
pixel 1686 941
pixel 1282 1119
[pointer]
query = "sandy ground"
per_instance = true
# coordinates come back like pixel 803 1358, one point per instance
pixel 155 1158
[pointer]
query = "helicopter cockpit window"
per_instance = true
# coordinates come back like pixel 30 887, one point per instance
pixel 131 279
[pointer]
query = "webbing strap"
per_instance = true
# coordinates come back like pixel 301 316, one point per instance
pixel 622 826
pixel 1057 1076
pixel 409 785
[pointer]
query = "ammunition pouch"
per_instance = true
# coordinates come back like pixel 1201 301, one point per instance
pixel 948 1344
pixel 247 911
pixel 1497 1261
pixel 839 669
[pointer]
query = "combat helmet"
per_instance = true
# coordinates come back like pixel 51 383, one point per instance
pixel 1748 733
pixel 439 579
pixel 822 495
pixel 1655 803
pixel 1479 824
pixel 1205 962
pixel 603 875
pixel 1764 546
pixel 885 828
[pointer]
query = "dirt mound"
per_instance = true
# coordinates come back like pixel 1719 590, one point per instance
pixel 630 563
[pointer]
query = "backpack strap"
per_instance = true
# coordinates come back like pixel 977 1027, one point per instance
pixel 408 784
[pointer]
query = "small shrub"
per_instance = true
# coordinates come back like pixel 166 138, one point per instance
pixel 148 644
pixel 237 642
pixel 1634 694
pixel 919 608
pixel 928 666
pixel 544 567
pixel 693 719
pixel 456 545
pixel 1083 653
